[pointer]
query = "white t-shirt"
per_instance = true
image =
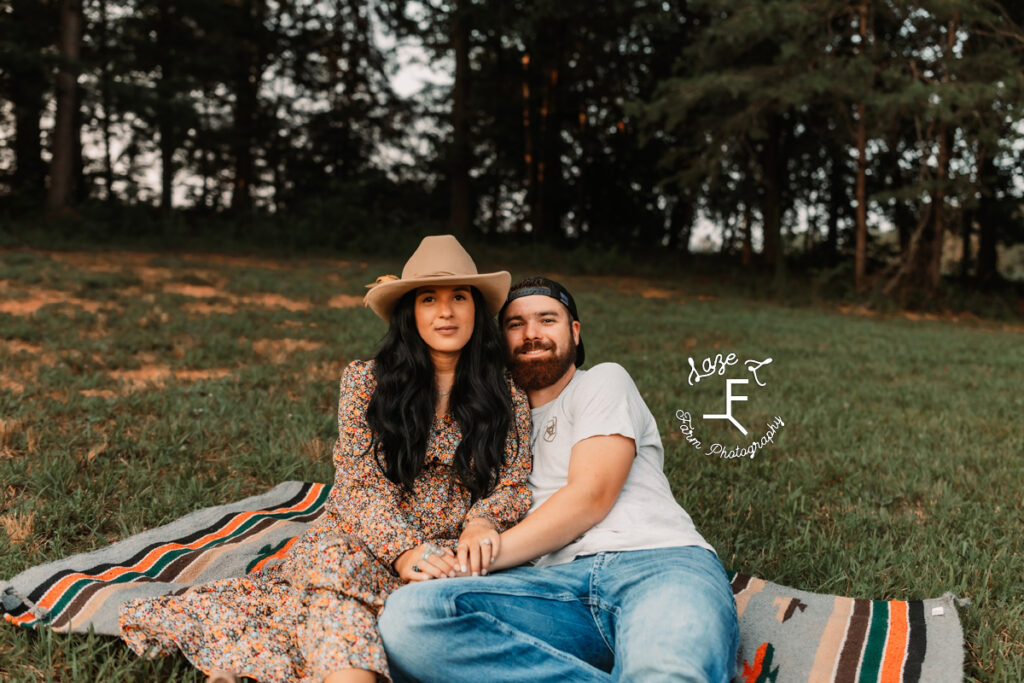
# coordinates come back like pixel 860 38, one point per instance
pixel 599 402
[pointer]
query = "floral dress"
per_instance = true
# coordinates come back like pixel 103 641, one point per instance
pixel 315 611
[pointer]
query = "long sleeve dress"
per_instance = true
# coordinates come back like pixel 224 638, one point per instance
pixel 315 611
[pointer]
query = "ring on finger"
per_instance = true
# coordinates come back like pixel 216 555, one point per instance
pixel 428 553
pixel 485 541
pixel 415 567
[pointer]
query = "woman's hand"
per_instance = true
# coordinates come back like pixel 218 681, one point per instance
pixel 478 546
pixel 425 561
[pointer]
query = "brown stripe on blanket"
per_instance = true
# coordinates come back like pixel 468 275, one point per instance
pixel 856 634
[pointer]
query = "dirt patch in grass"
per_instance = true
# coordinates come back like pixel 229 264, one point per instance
pixel 279 350
pixel 277 301
pixel 947 316
pixel 36 298
pixel 7 384
pixel 207 308
pixel 656 293
pixel 8 430
pixel 106 394
pixel 100 261
pixel 345 301
pixel 29 358
pixel 196 291
pixel 18 526
pixel 229 303
pixel 157 375
pixel 16 346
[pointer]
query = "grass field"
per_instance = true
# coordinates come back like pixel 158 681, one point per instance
pixel 135 387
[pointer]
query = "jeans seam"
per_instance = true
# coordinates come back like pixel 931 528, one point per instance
pixel 596 604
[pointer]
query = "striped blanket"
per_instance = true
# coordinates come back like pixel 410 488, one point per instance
pixel 786 634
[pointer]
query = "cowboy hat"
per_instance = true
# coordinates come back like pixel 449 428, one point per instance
pixel 439 260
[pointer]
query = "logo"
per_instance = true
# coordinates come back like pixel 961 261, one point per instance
pixel 718 366
pixel 551 429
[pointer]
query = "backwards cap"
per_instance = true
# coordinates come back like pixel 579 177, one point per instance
pixel 556 291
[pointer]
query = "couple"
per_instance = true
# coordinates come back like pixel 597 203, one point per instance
pixel 433 474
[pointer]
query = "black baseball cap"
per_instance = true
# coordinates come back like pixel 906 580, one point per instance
pixel 545 287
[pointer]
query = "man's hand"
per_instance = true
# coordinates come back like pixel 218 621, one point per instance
pixel 425 561
pixel 478 546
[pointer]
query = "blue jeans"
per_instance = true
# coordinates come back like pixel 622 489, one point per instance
pixel 641 615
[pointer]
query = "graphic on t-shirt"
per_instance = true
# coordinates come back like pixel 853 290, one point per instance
pixel 551 429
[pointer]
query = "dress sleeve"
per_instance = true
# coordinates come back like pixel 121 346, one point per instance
pixel 511 497
pixel 365 501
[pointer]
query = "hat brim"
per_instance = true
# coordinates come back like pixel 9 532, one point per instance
pixel 494 287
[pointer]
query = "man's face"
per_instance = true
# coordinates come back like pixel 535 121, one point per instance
pixel 541 339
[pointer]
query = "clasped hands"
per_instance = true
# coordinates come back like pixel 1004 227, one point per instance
pixel 478 547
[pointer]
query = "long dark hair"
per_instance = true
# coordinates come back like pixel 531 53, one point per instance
pixel 401 410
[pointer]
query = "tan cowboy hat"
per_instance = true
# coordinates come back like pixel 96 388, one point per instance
pixel 439 260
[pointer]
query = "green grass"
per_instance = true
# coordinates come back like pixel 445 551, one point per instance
pixel 897 474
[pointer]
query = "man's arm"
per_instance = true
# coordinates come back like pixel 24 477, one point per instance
pixel 598 468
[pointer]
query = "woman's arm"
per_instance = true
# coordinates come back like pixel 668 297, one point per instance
pixel 363 498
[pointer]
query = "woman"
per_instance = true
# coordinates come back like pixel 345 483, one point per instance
pixel 431 463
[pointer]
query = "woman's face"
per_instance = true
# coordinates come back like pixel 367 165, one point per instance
pixel 444 316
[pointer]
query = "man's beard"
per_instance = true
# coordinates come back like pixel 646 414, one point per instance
pixel 531 374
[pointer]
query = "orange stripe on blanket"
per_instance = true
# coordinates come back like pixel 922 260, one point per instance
pixel 896 645
pixel 57 590
pixel 280 553
pixel 750 673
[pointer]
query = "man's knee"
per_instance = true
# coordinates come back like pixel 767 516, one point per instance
pixel 407 611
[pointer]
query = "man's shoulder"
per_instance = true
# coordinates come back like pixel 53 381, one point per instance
pixel 604 379
pixel 606 375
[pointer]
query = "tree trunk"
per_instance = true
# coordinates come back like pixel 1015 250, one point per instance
pixel 748 225
pixel 27 91
pixel 964 219
pixel 987 214
pixel 836 204
pixel 79 183
pixel 165 98
pixel 62 167
pixel 545 145
pixel 106 102
pixel 860 253
pixel 461 212
pixel 861 241
pixel 247 80
pixel 528 161
pixel 773 168
pixel 939 213
pixel 919 274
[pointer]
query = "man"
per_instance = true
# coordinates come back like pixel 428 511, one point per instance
pixel 622 587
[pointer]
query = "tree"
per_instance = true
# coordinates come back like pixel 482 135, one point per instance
pixel 62 168
pixel 27 30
